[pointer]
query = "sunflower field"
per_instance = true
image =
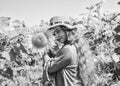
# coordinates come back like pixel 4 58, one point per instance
pixel 21 64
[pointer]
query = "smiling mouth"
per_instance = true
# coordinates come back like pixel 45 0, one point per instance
pixel 58 39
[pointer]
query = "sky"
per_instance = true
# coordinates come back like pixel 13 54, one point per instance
pixel 33 11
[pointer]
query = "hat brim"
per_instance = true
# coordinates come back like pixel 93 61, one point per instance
pixel 68 27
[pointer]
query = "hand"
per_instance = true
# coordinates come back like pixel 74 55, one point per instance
pixel 46 58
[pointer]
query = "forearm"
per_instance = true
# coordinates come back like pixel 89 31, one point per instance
pixel 57 64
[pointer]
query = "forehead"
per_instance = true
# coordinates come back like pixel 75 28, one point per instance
pixel 58 28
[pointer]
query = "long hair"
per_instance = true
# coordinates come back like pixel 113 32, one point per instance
pixel 85 57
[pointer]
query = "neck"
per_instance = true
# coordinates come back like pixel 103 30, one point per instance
pixel 67 42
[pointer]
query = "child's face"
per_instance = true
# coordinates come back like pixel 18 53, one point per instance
pixel 60 35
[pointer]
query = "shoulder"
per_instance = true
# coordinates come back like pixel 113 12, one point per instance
pixel 68 49
pixel 65 50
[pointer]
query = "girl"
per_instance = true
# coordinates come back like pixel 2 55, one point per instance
pixel 64 66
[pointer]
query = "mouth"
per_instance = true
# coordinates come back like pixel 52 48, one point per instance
pixel 58 39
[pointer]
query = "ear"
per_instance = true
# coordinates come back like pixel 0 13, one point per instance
pixel 70 36
pixel 73 32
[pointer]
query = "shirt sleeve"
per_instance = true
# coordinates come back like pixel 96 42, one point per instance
pixel 61 61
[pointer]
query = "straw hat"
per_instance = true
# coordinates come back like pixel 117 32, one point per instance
pixel 67 22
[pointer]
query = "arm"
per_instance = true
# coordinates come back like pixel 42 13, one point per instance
pixel 61 61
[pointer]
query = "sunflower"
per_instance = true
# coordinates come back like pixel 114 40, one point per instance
pixel 41 40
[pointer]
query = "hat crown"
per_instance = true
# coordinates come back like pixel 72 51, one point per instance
pixel 61 19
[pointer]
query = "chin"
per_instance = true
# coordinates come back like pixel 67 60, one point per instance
pixel 61 41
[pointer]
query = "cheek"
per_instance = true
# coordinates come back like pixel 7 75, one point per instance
pixel 64 37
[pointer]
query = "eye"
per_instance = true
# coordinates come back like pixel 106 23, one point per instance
pixel 53 34
pixel 58 31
